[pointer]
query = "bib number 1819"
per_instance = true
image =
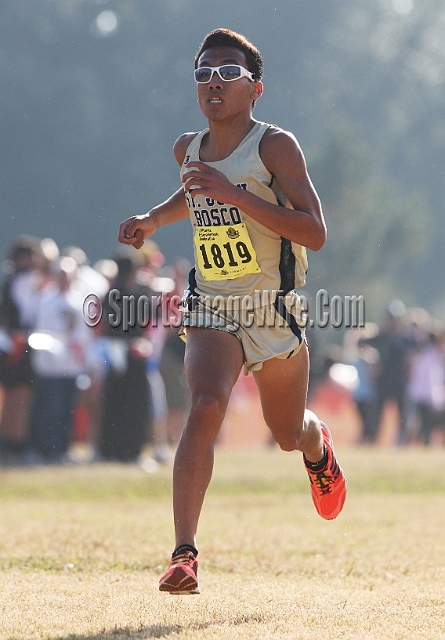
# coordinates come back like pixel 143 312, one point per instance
pixel 219 257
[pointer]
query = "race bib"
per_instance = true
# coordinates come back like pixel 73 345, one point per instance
pixel 225 252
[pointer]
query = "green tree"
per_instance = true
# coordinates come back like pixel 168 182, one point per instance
pixel 383 67
pixel 373 230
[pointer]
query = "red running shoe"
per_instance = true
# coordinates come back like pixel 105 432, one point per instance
pixel 182 576
pixel 329 485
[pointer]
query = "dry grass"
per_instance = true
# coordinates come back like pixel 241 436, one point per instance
pixel 82 548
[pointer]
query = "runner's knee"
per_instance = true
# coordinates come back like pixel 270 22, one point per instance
pixel 287 444
pixel 298 438
pixel 286 439
pixel 208 406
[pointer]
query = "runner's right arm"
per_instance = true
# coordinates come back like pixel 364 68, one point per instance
pixel 134 230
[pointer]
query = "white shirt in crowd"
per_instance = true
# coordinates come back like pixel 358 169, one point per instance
pixel 61 338
pixel 427 378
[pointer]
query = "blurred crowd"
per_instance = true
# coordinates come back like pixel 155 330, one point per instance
pixel 119 386
pixel 401 362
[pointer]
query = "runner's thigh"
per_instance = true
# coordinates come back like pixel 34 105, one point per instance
pixel 213 361
pixel 283 388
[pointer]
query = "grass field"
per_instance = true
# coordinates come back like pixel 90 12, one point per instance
pixel 81 551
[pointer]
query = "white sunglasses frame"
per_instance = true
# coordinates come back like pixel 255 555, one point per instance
pixel 244 73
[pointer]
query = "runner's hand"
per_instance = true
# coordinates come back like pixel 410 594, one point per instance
pixel 134 230
pixel 205 180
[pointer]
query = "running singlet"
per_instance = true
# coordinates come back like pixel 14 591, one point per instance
pixel 234 254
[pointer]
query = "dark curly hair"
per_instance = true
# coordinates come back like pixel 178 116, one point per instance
pixel 228 38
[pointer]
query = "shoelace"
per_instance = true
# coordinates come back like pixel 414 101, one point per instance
pixel 185 558
pixel 322 481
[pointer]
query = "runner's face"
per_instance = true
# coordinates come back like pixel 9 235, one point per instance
pixel 218 99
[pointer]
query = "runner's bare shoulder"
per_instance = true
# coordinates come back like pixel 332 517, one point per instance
pixel 181 145
pixel 274 137
pixel 279 146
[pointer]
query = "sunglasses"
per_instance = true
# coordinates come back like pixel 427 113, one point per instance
pixel 227 72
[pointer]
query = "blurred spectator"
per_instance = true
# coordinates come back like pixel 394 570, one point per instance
pixel 126 393
pixel 89 399
pixel 89 280
pixel 18 308
pixel 108 269
pixel 426 387
pixel 365 359
pixel 47 253
pixel 418 322
pixel 395 349
pixel 60 342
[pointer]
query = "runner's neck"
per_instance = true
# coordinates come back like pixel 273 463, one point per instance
pixel 223 138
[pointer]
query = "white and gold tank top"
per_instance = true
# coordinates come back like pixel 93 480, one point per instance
pixel 234 254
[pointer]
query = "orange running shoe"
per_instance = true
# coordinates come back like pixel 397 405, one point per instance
pixel 328 485
pixel 182 576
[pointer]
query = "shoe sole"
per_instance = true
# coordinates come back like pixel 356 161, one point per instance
pixel 180 583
